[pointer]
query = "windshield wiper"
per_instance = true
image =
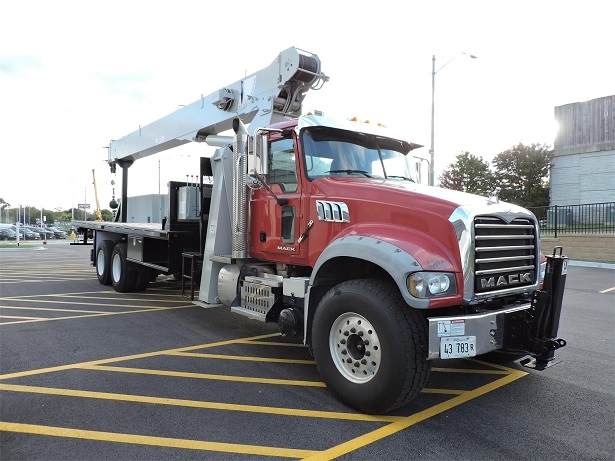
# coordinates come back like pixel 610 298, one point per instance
pixel 400 177
pixel 365 173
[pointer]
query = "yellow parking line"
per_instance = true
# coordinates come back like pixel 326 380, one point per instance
pixel 39 371
pixel 427 390
pixel 115 298
pixel 186 374
pixel 378 434
pixel 86 303
pixel 154 441
pixel 201 404
pixel 68 317
pixel 20 317
pixel 61 295
pixel 270 343
pixel 28 280
pixel 14 322
pixel 495 365
pixel 241 357
pixel 19 308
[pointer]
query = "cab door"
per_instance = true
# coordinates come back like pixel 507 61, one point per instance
pixel 275 227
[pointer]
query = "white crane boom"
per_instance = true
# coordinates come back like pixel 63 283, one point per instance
pixel 267 96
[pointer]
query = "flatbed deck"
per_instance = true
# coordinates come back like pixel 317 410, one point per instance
pixel 145 229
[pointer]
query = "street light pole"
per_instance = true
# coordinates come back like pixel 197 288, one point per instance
pixel 433 91
pixel 431 150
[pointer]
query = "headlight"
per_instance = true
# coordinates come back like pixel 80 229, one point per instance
pixel 431 284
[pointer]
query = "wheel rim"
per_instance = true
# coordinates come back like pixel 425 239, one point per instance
pixel 100 262
pixel 116 268
pixel 355 347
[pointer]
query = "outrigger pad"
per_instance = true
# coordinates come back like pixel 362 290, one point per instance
pixel 537 364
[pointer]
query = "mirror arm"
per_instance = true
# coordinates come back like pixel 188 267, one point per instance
pixel 261 180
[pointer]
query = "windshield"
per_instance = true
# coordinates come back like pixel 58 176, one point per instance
pixel 336 152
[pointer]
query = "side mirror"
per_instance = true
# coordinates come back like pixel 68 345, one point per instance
pixel 258 159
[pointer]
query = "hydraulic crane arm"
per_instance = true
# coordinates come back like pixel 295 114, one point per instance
pixel 264 97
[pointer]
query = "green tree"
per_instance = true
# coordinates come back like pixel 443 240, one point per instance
pixel 3 205
pixel 522 173
pixel 468 173
pixel 107 215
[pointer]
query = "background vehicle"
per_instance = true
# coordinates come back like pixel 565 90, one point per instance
pixel 21 231
pixel 43 232
pixel 29 234
pixel 320 225
pixel 58 233
pixel 7 234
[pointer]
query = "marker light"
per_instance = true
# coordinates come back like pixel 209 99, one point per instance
pixel 431 284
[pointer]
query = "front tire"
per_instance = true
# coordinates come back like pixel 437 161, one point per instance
pixel 122 275
pixel 103 262
pixel 369 346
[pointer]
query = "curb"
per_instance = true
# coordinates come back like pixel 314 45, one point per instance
pixel 591 264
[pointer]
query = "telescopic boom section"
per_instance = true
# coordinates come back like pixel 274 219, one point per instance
pixel 270 95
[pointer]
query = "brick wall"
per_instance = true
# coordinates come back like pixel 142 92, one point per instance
pixel 583 247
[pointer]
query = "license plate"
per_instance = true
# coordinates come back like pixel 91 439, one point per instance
pixel 454 347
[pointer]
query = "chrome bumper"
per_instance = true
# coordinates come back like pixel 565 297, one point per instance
pixel 488 328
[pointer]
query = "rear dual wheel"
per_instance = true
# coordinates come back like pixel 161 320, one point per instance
pixel 123 276
pixel 112 268
pixel 369 346
pixel 103 262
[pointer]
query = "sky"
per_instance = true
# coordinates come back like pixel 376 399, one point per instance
pixel 76 74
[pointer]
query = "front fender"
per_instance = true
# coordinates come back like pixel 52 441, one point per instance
pixel 397 262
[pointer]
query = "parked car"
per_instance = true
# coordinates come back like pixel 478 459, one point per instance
pixel 21 231
pixel 29 234
pixel 43 232
pixel 7 234
pixel 58 233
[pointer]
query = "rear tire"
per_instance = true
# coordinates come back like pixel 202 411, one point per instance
pixel 369 346
pixel 123 276
pixel 103 262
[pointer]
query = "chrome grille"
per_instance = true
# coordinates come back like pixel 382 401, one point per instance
pixel 505 253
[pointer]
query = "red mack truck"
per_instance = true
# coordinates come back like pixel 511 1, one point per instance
pixel 321 226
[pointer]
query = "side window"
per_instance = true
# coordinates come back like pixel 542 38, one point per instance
pixel 282 166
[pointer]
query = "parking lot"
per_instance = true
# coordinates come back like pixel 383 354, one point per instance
pixel 88 373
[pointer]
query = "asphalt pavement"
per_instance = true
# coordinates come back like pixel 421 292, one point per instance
pixel 90 374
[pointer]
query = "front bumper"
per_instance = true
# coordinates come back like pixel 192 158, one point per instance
pixel 492 329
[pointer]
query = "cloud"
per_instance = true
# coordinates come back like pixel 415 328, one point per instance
pixel 18 65
pixel 125 84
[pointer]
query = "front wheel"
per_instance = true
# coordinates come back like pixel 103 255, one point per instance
pixel 369 346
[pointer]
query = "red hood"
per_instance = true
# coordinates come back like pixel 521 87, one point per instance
pixel 389 193
pixel 392 210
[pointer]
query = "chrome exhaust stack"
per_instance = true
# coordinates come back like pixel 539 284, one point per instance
pixel 240 208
